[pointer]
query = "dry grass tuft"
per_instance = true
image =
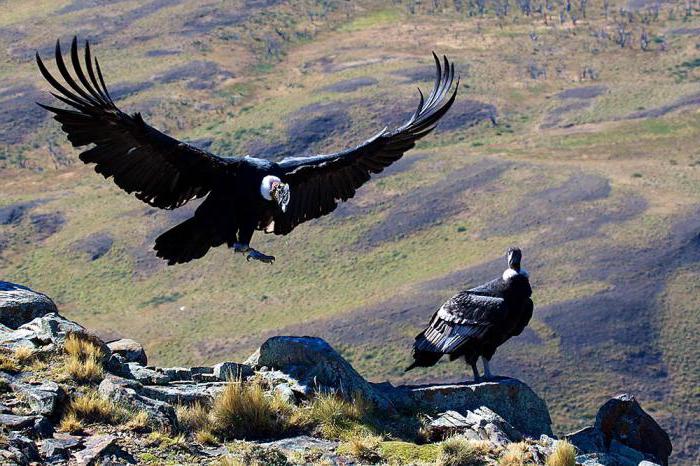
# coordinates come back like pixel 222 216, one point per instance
pixel 83 359
pixel 205 437
pixel 244 411
pixel 91 407
pixel 333 417
pixel 192 418
pixel 139 422
pixel 8 363
pixel 515 454
pixel 564 454
pixel 460 451
pixel 24 355
pixel 364 448
pixel 71 424
pixel 164 440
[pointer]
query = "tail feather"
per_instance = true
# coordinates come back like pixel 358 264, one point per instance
pixel 189 240
pixel 423 358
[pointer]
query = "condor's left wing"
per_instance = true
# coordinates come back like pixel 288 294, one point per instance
pixel 319 182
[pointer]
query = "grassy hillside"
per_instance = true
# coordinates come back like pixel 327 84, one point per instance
pixel 592 167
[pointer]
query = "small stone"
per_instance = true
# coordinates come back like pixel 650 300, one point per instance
pixel 94 447
pixel 205 378
pixel 225 371
pixel 201 370
pixel 131 350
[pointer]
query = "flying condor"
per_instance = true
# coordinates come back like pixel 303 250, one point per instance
pixel 476 322
pixel 243 194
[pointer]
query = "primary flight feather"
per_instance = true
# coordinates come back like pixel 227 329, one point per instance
pixel 243 194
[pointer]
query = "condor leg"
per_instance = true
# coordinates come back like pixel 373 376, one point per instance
pixel 477 378
pixel 487 370
pixel 245 234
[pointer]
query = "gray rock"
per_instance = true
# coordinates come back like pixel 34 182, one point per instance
pixel 176 373
pixel 142 374
pixel 131 350
pixel 19 305
pixel 14 422
pixel 511 399
pixel 587 440
pixel 56 449
pixel 22 448
pixel 46 330
pixel 230 371
pixel 201 370
pixel 480 424
pixel 45 399
pixel 274 378
pixel 125 391
pixel 43 428
pixel 94 447
pixel 623 419
pixel 285 392
pixel 648 463
pixel 184 393
pixel 625 454
pixel 205 378
pixel 314 363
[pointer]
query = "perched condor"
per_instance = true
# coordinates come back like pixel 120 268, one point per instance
pixel 476 322
pixel 244 194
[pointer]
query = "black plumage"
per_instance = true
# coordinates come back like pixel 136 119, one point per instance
pixel 243 194
pixel 475 322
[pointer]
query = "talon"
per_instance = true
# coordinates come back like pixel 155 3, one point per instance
pixel 257 255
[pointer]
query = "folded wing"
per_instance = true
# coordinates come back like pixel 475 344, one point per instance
pixel 318 183
pixel 465 318
pixel 158 169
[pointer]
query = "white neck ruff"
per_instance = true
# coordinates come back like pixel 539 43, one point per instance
pixel 266 186
pixel 510 273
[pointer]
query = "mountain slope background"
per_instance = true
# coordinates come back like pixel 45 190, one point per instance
pixel 567 139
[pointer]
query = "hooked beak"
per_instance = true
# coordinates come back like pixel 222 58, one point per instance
pixel 514 257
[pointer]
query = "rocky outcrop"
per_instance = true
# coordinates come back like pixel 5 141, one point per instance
pixel 509 398
pixel 623 434
pixel 296 369
pixel 19 305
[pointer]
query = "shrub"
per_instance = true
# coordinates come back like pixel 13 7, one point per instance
pixel 83 359
pixel 564 454
pixel 460 451
pixel 8 363
pixel 192 418
pixel 363 447
pixel 164 440
pixel 243 410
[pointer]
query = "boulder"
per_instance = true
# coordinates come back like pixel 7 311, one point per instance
pixel 58 449
pixel 587 440
pixel 315 364
pixel 14 422
pixel 21 449
pixel 129 349
pixel 44 331
pixel 19 305
pixel 511 399
pixel 176 373
pixel 622 419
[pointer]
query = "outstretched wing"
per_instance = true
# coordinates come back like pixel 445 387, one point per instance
pixel 462 319
pixel 158 169
pixel 319 182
